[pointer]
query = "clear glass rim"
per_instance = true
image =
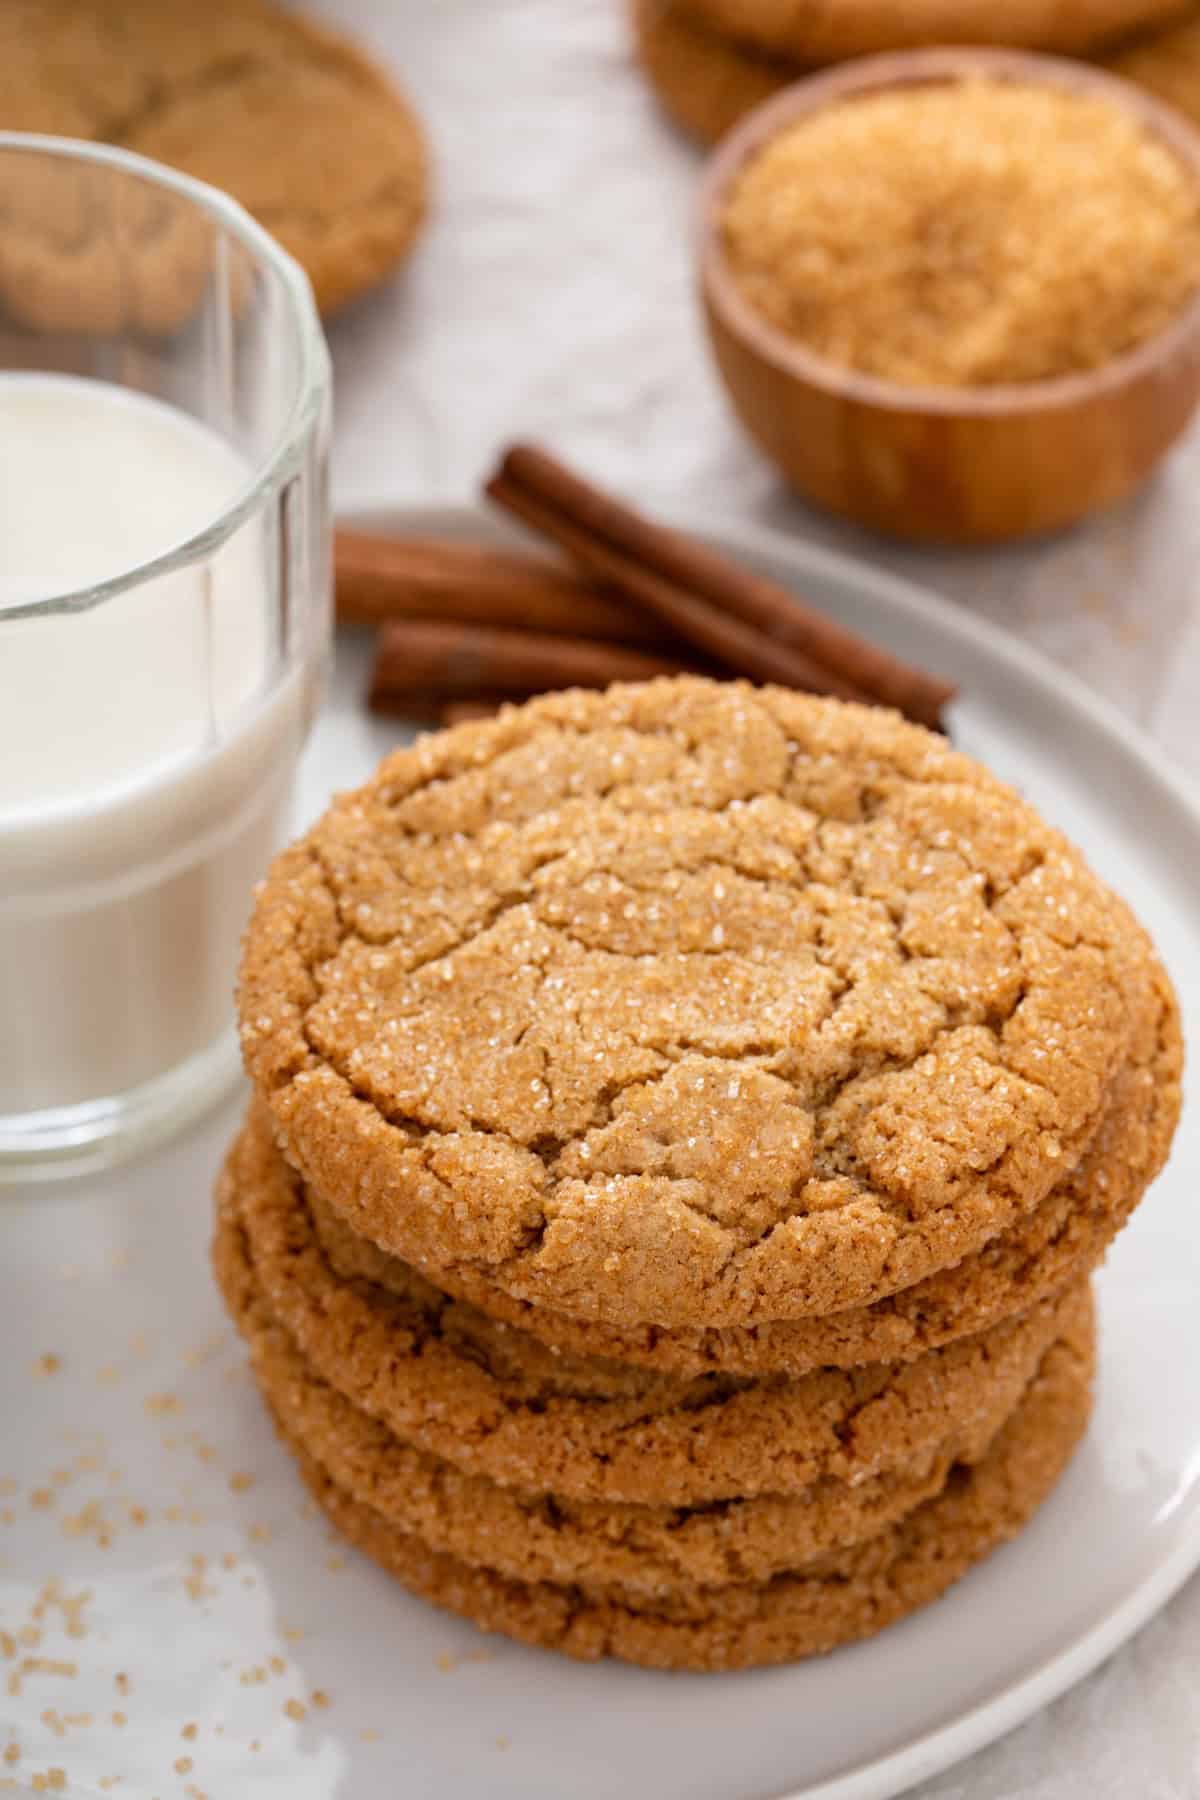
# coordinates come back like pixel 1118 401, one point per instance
pixel 269 471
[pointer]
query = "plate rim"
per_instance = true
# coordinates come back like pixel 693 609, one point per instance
pixel 984 1723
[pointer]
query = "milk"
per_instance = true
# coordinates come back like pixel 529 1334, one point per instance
pixel 146 745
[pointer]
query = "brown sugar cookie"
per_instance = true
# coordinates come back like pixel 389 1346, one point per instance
pixel 687 1002
pixel 496 1402
pixel 1059 1242
pixel 288 117
pixel 849 1595
pixel 704 81
pixel 536 1537
pixel 844 28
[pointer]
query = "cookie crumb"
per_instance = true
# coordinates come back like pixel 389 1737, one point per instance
pixel 241 1481
pixel 48 1363
pixel 189 1733
pixel 12 1752
pixel 159 1405
pixel 319 1697
pixel 295 1709
pixel 121 1683
pixel 119 1719
pixel 183 1765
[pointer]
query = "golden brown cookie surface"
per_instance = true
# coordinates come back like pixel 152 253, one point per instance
pixel 844 28
pixel 643 1549
pixel 288 117
pixel 689 1003
pixel 1061 1240
pixel 496 1402
pixel 849 1595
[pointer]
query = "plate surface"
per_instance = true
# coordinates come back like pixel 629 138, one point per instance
pixel 138 1473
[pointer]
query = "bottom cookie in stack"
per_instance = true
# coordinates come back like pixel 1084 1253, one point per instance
pixel 707 1523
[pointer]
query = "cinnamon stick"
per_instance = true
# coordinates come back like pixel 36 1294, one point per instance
pixel 380 579
pixel 610 539
pixel 426 658
pixel 737 647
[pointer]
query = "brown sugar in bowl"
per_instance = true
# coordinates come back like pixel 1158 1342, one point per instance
pixel 950 464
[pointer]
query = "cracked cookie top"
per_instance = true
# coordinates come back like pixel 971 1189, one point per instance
pixel 689 1002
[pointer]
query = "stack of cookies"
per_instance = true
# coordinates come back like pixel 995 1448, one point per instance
pixel 711 62
pixel 685 1122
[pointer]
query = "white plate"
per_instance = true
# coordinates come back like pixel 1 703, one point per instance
pixel 111 1277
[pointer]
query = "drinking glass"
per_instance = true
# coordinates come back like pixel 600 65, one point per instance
pixel 165 617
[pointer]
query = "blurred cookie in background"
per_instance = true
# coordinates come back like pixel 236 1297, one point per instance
pixel 288 117
pixel 1168 64
pixel 707 79
pixel 704 81
pixel 839 29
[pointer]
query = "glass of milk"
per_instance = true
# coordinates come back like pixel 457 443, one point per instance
pixel 164 622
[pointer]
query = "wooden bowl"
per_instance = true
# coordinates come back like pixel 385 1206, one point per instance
pixel 951 465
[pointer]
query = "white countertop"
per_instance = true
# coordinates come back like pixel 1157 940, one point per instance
pixel 552 298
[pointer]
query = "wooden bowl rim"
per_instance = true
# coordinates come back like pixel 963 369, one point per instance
pixel 913 68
